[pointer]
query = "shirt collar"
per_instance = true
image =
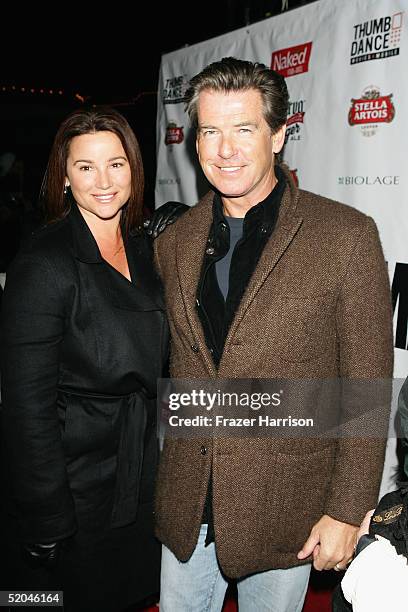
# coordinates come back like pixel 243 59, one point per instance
pixel 262 213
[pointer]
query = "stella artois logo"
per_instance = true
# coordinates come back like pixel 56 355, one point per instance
pixel 174 134
pixel 292 60
pixel 371 109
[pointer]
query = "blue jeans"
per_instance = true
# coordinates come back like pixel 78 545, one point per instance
pixel 199 585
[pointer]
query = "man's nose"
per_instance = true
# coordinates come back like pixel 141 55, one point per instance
pixel 227 147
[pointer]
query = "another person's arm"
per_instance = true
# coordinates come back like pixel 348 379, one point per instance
pixel 163 216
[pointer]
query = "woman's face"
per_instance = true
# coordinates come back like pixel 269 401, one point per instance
pixel 99 174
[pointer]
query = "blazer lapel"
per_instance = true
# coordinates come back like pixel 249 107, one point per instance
pixel 189 257
pixel 286 229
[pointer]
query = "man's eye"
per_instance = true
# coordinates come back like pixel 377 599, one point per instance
pixel 209 132
pixel 245 130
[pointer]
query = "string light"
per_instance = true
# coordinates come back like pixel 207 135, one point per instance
pixel 11 88
pixel 35 91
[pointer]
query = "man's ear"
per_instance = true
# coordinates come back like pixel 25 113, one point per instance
pixel 278 139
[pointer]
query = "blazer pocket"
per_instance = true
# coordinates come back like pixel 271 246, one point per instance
pixel 304 480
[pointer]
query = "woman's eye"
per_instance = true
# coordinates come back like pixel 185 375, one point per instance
pixel 85 168
pixel 117 164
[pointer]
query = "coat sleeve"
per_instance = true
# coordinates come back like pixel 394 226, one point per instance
pixel 32 331
pixel 364 334
pixel 403 422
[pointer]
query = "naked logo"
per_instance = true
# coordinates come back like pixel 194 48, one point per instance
pixel 293 60
pixel 376 39
pixel 174 89
pixel 174 134
pixel 295 120
pixel 370 110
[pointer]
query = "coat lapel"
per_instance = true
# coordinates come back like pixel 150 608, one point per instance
pixel 190 250
pixel 286 229
pixel 143 293
pixel 189 257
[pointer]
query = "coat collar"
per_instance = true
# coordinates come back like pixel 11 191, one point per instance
pixel 192 232
pixel 144 292
pixel 84 244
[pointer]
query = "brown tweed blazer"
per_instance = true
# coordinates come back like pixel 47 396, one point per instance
pixel 317 306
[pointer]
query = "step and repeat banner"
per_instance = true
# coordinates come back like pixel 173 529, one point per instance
pixel 345 66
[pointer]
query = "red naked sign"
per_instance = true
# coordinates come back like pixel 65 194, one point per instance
pixel 293 60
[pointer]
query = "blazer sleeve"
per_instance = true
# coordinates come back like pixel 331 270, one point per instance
pixel 32 331
pixel 364 332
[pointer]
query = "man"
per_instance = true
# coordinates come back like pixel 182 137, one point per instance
pixel 264 280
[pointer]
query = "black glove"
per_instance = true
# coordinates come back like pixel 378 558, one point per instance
pixel 162 217
pixel 44 555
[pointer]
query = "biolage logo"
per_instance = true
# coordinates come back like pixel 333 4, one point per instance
pixel 174 89
pixel 376 39
pixel 371 109
pixel 174 134
pixel 357 180
pixel 295 120
pixel 293 60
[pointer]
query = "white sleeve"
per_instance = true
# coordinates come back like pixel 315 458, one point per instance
pixel 377 579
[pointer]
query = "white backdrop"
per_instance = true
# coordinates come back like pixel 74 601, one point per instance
pixel 346 69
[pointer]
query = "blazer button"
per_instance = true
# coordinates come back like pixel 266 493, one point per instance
pixel 210 251
pixel 198 303
pixel 194 348
pixel 203 450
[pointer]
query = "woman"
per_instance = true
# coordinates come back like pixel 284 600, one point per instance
pixel 84 340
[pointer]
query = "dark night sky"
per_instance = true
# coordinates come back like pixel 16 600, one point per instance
pixel 110 54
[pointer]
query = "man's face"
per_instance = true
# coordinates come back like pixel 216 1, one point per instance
pixel 235 145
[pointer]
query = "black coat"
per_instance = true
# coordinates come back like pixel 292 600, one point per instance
pixel 82 349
